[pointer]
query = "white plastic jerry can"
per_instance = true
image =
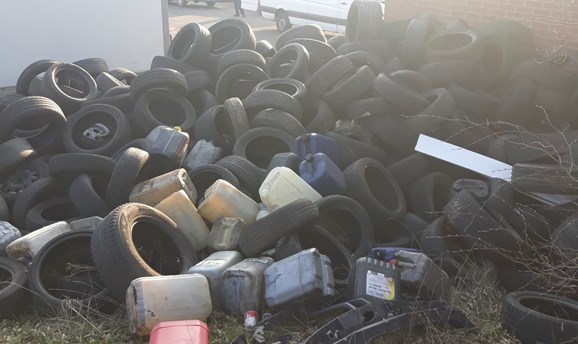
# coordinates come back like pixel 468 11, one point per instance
pixel 226 233
pixel 153 191
pixel 151 300
pixel 283 186
pixel 86 223
pixel 26 247
pixel 213 268
pixel 181 209
pixel 224 200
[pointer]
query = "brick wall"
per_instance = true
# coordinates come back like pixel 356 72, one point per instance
pixel 554 22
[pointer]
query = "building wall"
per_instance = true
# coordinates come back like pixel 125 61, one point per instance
pixel 554 22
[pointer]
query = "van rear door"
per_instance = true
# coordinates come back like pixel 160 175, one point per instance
pixel 342 10
pixel 250 5
pixel 323 13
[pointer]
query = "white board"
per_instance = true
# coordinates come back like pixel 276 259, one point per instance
pixel 126 33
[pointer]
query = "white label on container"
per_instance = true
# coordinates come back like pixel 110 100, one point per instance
pixel 259 260
pixel 377 285
pixel 212 262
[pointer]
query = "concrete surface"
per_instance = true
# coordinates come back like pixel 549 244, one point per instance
pixel 200 13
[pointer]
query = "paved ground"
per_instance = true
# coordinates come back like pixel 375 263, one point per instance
pixel 200 13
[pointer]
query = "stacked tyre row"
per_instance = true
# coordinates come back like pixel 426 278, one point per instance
pixel 342 114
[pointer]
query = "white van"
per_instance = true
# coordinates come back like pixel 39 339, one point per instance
pixel 330 15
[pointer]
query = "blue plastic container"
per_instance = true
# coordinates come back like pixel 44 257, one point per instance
pixel 322 174
pixel 314 143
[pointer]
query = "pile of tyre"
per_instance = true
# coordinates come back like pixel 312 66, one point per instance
pixel 76 138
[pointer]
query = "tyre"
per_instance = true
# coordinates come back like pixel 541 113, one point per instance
pixel 430 194
pixel 38 191
pixel 15 152
pixel 412 80
pixel 53 89
pixel 215 125
pixel 467 74
pixel 350 89
pixel 164 78
pixel 288 159
pixel 454 46
pixel 259 145
pixel 240 56
pixel 440 110
pixel 337 41
pixel 94 66
pixel 281 120
pixel 265 48
pixel 49 212
pixel 530 225
pixel 407 100
pixel 412 51
pixel 371 184
pixel 322 118
pixel 250 176
pixel 266 231
pixel 231 34
pixel 12 184
pixel 203 101
pixel 204 176
pixel 500 202
pixel 348 222
pixel 351 150
pixel 303 31
pixel 364 21
pixel 171 63
pixel 191 44
pixel 63 273
pixel 29 73
pixel 294 54
pixel 87 195
pixel 439 245
pixel 292 87
pixel 323 79
pixel 198 80
pixel 566 235
pixel 163 107
pixel 364 58
pixel 134 241
pixel 62 166
pixel 538 317
pixel 124 176
pixel 272 99
pixel 13 289
pixel 282 21
pixel 480 104
pixel 43 113
pixel 9 99
pixel 105 82
pixel 556 179
pixel 319 52
pixel 97 129
pixel 238 81
pixel 122 74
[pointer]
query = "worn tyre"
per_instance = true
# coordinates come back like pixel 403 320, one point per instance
pixel 163 78
pixel 259 145
pixel 430 194
pixel 163 107
pixel 191 44
pixel 14 292
pixel 124 176
pixel 134 241
pixel 364 20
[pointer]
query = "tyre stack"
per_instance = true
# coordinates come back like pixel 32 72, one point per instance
pixel 77 137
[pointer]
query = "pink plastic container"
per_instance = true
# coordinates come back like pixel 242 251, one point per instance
pixel 180 332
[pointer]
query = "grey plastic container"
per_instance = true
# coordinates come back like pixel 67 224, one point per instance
pixel 421 276
pixel 8 234
pixel 374 280
pixel 213 268
pixel 153 191
pixel 243 287
pixel 305 275
pixel 225 234
pixel 203 153
pixel 167 148
pixel 86 223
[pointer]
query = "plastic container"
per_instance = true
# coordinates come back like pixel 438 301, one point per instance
pixel 243 288
pixel 315 143
pixel 225 234
pixel 166 147
pixel 213 268
pixel 305 275
pixel 374 280
pixel 421 276
pixel 283 186
pixel 180 332
pixel 26 247
pixel 322 174
pixel 203 153
pixel 224 200
pixel 153 191
pixel 152 300
pixel 8 234
pixel 86 223
pixel 181 209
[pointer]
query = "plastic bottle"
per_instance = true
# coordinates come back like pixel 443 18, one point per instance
pixel 152 300
pixel 213 268
pixel 86 223
pixel 167 148
pixel 243 288
pixel 322 174
pixel 180 332
pixel 203 153
pixel 225 234
pixel 153 191
pixel 26 247
pixel 374 280
pixel 315 143
pixel 283 186
pixel 224 200
pixel 181 209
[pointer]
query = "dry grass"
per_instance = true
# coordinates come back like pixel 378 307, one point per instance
pixel 476 293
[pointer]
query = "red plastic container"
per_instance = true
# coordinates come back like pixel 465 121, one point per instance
pixel 180 332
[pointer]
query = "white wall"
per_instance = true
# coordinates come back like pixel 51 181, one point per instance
pixel 126 33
